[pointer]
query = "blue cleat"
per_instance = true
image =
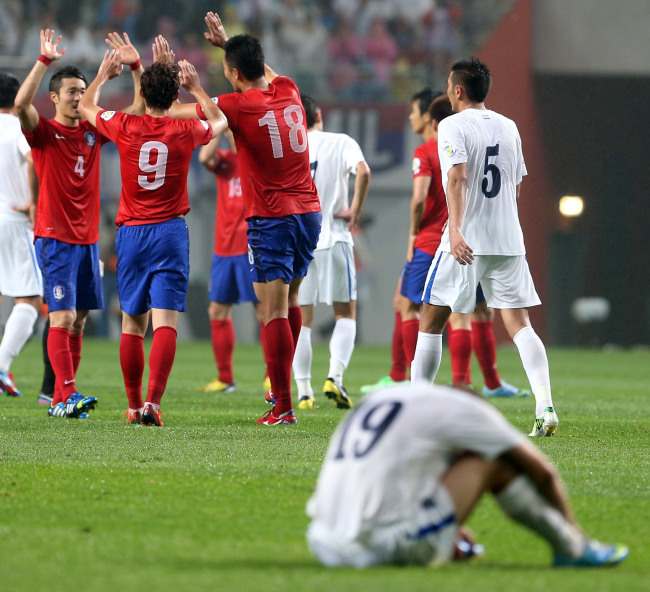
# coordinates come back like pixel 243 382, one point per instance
pixel 505 390
pixel 596 554
pixel 77 405
pixel 7 385
pixel 57 410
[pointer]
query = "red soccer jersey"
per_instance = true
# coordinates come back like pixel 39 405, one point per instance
pixel 427 164
pixel 230 226
pixel 271 137
pixel 66 160
pixel 155 155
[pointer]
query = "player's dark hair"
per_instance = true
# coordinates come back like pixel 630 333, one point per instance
pixel 311 108
pixel 245 53
pixel 65 72
pixel 424 98
pixel 440 108
pixel 474 76
pixel 159 84
pixel 9 86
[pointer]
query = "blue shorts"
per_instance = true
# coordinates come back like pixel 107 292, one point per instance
pixel 414 276
pixel 230 280
pixel 282 248
pixel 71 278
pixel 153 266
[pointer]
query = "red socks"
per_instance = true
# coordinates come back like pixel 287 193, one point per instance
pixel 76 341
pixel 279 355
pixel 58 350
pixel 132 361
pixel 460 350
pixel 223 344
pixel 161 360
pixel 398 365
pixel 486 352
pixel 410 336
pixel 295 321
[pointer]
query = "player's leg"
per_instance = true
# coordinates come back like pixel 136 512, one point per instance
pixel 222 334
pixel 428 352
pixel 46 394
pixel 459 339
pixel 134 328
pixel 535 362
pixel 18 329
pixel 303 356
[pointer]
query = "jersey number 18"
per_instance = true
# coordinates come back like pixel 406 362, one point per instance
pixel 297 132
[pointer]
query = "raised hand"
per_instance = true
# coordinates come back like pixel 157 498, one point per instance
pixel 111 66
pixel 128 52
pixel 188 76
pixel 49 45
pixel 217 35
pixel 161 51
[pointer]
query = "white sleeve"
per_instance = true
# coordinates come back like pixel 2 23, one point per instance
pixel 23 146
pixel 521 164
pixel 352 155
pixel 451 144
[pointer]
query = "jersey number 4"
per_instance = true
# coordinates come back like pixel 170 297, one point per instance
pixel 157 168
pixel 491 169
pixel 372 426
pixel 297 132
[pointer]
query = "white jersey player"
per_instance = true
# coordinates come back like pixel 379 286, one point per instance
pixel 20 276
pixel 482 165
pixel 405 469
pixel 331 277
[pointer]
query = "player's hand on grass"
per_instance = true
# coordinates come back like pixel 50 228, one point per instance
pixel 188 76
pixel 111 66
pixel 460 250
pixel 217 35
pixel 50 45
pixel 127 51
pixel 162 52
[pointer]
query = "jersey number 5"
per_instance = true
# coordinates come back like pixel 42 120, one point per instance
pixel 158 168
pixel 297 132
pixel 492 169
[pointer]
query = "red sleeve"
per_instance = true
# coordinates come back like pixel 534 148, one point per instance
pixel 201 132
pixel 227 163
pixel 421 163
pixel 36 138
pixel 109 123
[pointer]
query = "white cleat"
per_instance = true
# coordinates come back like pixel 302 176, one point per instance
pixel 545 425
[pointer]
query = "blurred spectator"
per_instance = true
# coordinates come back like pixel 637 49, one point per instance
pixel 10 18
pixel 344 49
pixel 306 43
pixel 380 49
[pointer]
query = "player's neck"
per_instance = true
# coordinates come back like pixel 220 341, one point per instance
pixel 157 112
pixel 427 133
pixel 65 120
pixel 11 111
pixel 469 105
pixel 260 84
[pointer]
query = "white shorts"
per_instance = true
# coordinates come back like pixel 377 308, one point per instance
pixel 331 277
pixel 428 538
pixel 20 275
pixel 505 280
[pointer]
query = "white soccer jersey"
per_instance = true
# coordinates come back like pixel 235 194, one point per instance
pixel 388 455
pixel 332 158
pixel 490 145
pixel 14 187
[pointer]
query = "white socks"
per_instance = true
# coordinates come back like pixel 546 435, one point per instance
pixel 533 356
pixel 523 503
pixel 18 330
pixel 302 363
pixel 428 354
pixel 341 348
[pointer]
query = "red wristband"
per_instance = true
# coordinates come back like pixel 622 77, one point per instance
pixel 135 65
pixel 45 60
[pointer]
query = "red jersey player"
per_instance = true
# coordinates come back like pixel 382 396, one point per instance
pixel 230 281
pixel 267 119
pixel 66 157
pixel 152 238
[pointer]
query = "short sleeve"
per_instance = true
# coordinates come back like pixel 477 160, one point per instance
pixel 229 104
pixel 352 154
pixel 521 164
pixel 451 144
pixel 110 123
pixel 23 146
pixel 38 136
pixel 421 163
pixel 201 132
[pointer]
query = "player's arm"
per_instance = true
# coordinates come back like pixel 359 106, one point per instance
pixel 131 58
pixel 217 36
pixel 208 156
pixel 421 186
pixel 456 199
pixel 191 83
pixel 50 52
pixel 111 67
pixel 361 187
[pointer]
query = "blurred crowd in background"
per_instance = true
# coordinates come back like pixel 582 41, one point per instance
pixel 338 50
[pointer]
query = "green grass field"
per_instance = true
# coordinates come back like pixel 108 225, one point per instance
pixel 212 501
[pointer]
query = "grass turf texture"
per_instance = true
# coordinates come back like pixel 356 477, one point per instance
pixel 212 501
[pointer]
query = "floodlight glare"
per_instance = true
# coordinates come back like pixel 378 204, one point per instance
pixel 571 206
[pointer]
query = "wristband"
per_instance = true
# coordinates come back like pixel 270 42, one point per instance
pixel 135 65
pixel 45 60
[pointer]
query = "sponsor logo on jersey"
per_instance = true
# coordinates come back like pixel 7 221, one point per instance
pixel 90 139
pixel 449 150
pixel 107 115
pixel 416 165
pixel 58 292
